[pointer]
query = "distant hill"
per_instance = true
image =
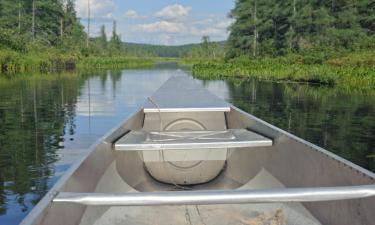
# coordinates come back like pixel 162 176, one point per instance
pixel 160 50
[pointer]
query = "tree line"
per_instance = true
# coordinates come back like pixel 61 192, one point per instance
pixel 267 27
pixel 102 45
pixel 47 22
pixel 207 49
pixel 25 24
pixel 272 27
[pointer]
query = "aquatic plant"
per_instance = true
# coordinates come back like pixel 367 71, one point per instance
pixel 356 74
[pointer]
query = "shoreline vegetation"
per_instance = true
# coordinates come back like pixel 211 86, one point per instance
pixel 352 71
pixel 47 36
pixel 323 42
pixel 12 62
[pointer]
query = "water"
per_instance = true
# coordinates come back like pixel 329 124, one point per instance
pixel 47 121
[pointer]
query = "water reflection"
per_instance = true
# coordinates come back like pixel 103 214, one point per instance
pixel 340 122
pixel 47 122
pixel 33 118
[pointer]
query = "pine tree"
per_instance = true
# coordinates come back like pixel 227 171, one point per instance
pixel 102 38
pixel 9 14
pixel 48 16
pixel 47 21
pixel 271 27
pixel 115 42
pixel 366 18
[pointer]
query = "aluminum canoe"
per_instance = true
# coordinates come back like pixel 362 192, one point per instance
pixel 265 176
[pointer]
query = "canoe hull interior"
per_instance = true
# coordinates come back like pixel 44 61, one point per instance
pixel 290 162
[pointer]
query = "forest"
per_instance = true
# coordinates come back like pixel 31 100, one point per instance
pixel 274 27
pixel 47 36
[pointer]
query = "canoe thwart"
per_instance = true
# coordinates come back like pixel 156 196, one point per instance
pixel 182 140
pixel 218 196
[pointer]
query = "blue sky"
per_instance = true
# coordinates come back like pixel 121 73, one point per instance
pixel 160 22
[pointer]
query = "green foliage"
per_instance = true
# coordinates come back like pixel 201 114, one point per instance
pixel 10 40
pixel 59 40
pixel 206 50
pixel 102 39
pixel 115 44
pixel 355 71
pixel 46 22
pixel 49 61
pixel 182 51
pixel 364 59
pixel 272 28
pixel 297 40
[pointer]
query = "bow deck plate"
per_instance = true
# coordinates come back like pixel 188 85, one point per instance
pixel 183 94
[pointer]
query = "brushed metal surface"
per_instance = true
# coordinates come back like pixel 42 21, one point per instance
pixel 82 176
pixel 183 94
pixel 298 163
pixel 181 140
pixel 218 196
pixel 183 166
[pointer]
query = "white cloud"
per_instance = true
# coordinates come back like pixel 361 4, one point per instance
pixel 162 26
pixel 174 12
pixel 182 32
pixel 214 26
pixel 210 31
pixel 224 24
pixel 165 39
pixel 108 16
pixel 98 8
pixel 173 24
pixel 132 14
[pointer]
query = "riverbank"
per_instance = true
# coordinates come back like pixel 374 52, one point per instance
pixel 12 62
pixel 350 71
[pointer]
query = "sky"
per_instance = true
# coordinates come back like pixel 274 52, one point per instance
pixel 163 22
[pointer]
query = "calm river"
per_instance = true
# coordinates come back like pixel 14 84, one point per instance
pixel 47 121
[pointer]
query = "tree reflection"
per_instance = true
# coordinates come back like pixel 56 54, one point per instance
pixel 341 122
pixel 34 111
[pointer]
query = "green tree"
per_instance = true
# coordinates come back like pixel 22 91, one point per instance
pixel 366 18
pixel 273 27
pixel 49 22
pixel 115 44
pixel 103 38
pixel 72 27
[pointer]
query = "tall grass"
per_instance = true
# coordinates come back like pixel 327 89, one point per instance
pixel 352 72
pixel 16 62
pixel 12 62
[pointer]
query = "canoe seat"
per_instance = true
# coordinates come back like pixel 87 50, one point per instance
pixel 181 140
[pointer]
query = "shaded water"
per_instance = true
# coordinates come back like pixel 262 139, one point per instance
pixel 47 121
